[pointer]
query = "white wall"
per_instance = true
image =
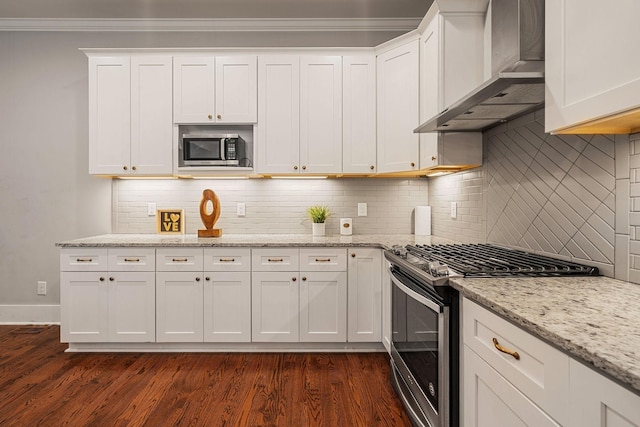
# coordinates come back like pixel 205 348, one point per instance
pixel 45 191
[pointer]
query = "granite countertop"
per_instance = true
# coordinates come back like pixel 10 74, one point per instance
pixel 252 240
pixel 594 319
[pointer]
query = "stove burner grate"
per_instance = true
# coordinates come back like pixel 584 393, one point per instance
pixel 486 260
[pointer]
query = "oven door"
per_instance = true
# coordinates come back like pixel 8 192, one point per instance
pixel 419 351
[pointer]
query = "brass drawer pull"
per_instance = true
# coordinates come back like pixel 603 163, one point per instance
pixel 498 347
pixel 132 260
pixel 323 259
pixel 180 259
pixel 84 259
pixel 275 260
pixel 227 260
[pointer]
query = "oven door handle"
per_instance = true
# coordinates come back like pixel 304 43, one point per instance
pixel 438 308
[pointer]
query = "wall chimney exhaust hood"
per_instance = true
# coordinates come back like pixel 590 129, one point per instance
pixel 517 66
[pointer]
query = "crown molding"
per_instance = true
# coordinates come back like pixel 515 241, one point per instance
pixel 212 25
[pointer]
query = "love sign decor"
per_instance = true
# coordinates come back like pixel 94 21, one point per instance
pixel 170 221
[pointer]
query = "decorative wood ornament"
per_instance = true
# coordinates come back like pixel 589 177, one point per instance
pixel 209 218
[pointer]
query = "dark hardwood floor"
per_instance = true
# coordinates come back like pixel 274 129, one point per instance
pixel 40 385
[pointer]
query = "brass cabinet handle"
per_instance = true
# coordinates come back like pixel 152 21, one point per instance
pixel 219 116
pixel 372 167
pixel 132 260
pixel 210 117
pixel 275 260
pixel 353 255
pixel 304 168
pixel 227 259
pixel 295 168
pixel 323 259
pixel 180 259
pixel 125 168
pixel 498 347
pixel 84 259
pixel 133 168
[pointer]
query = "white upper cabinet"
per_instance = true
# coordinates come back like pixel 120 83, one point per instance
pixel 278 130
pixel 215 90
pixel 320 114
pixel 591 70
pixel 130 129
pixel 359 114
pixel 397 100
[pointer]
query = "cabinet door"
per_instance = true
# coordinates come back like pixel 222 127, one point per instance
pixel 236 89
pixel 227 307
pixel 359 114
pixel 490 400
pixel 275 305
pixel 386 305
pixel 365 295
pixel 599 402
pixel 278 140
pixel 109 115
pixel 179 307
pixel 323 306
pixel 132 307
pixel 193 91
pixel 321 114
pixel 590 74
pixel 398 108
pixel 83 306
pixel 151 113
pixel 430 90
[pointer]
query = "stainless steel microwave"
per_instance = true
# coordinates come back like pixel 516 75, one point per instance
pixel 212 150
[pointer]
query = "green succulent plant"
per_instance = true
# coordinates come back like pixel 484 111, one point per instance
pixel 318 214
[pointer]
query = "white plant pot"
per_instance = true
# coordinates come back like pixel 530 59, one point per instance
pixel 318 228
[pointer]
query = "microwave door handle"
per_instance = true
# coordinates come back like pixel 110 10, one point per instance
pixel 223 148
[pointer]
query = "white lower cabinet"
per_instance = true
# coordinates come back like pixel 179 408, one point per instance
pixel 274 297
pixel 599 402
pixel 365 295
pixel 179 306
pixel 323 306
pixel 107 295
pixel 490 400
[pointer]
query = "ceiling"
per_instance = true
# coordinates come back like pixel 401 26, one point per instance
pixel 212 9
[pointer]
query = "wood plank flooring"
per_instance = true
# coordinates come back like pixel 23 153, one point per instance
pixel 40 385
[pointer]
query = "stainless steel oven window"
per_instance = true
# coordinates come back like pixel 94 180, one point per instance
pixel 420 351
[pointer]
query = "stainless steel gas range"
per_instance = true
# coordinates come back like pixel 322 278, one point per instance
pixel 425 317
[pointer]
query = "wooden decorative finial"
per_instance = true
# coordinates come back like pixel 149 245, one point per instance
pixel 209 218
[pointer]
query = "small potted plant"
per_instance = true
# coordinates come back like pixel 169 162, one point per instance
pixel 318 216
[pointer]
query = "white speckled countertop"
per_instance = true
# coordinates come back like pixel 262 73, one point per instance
pixel 252 240
pixel 594 319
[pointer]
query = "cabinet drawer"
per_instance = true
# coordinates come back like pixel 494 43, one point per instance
pixel 323 259
pixel 276 259
pixel 180 259
pixel 541 372
pixel 83 259
pixel 227 259
pixel 132 259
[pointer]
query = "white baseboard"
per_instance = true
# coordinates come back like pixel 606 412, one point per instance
pixel 29 314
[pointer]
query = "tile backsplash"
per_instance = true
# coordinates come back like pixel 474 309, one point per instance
pixel 273 206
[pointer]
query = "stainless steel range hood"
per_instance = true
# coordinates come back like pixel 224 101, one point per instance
pixel 517 66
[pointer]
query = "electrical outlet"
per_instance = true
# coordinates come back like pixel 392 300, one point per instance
pixel 42 288
pixel 151 209
pixel 362 209
pixel 454 210
pixel 241 209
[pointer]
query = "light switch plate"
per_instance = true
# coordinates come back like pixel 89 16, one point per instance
pixel 454 210
pixel 362 209
pixel 151 209
pixel 241 209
